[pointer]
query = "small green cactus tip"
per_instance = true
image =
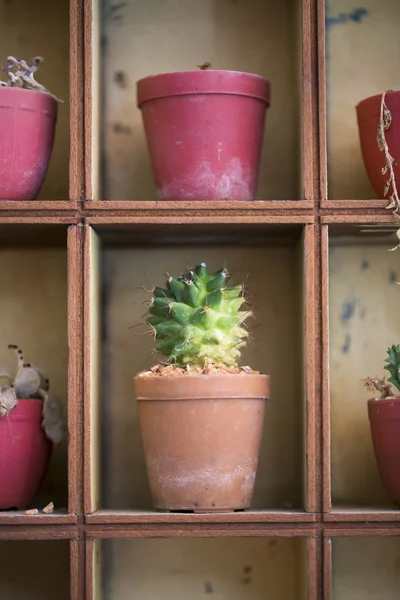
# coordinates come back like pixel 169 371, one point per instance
pixel 393 365
pixel 197 319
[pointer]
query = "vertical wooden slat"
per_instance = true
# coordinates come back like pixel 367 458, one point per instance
pixel 313 566
pixel 309 101
pixel 310 365
pixel 323 162
pixel 327 562
pixel 326 427
pixel 90 572
pixel 92 36
pixel 91 315
pixel 76 151
pixel 77 570
pixel 74 244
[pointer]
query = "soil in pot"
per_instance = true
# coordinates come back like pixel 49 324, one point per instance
pixel 384 417
pixel 202 436
pixel 24 454
pixel 368 118
pixel 27 128
pixel 204 132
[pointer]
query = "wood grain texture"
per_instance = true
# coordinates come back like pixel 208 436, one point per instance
pixel 75 370
pixel 309 100
pixel 327 569
pixel 76 81
pixel 326 426
pixel 322 142
pixel 114 517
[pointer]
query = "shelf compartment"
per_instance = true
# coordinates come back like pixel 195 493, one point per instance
pixel 26 34
pixel 35 570
pixel 119 49
pixel 159 568
pixel 364 565
pixel 359 303
pixel 39 306
pixel 118 260
pixel 367 34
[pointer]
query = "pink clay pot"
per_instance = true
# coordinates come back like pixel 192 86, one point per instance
pixel 27 127
pixel 368 117
pixel 204 132
pixel 24 454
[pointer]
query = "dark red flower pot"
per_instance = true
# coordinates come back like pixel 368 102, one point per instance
pixel 368 118
pixel 27 127
pixel 204 132
pixel 384 417
pixel 24 454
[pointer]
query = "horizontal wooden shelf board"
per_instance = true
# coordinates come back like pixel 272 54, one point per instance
pixel 20 518
pixel 181 207
pixel 353 204
pixel 364 515
pixel 199 530
pixel 43 219
pixel 44 532
pixel 38 205
pixel 360 218
pixel 367 530
pixel 256 516
pixel 114 219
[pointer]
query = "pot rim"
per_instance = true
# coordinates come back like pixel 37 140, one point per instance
pixel 213 82
pixel 387 400
pixel 200 387
pixel 375 97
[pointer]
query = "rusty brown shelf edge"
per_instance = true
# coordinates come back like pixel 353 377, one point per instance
pixel 39 205
pixel 206 205
pixel 149 517
pixel 361 516
pixel 20 518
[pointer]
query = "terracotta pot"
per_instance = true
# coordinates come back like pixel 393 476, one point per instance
pixel 384 416
pixel 24 454
pixel 27 126
pixel 202 437
pixel 204 132
pixel 368 117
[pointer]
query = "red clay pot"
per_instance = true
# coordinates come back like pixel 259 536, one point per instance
pixel 368 117
pixel 384 416
pixel 202 437
pixel 27 127
pixel 204 132
pixel 24 454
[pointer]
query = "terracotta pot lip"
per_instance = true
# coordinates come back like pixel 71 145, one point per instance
pixel 18 90
pixel 198 82
pixel 374 98
pixel 226 376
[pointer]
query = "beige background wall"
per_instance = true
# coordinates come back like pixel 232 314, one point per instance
pixel 146 38
pixel 363 54
pixel 41 28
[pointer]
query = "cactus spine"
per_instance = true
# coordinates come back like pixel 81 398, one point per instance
pixel 197 319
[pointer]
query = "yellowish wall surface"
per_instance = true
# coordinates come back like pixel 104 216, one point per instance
pixel 158 569
pixel 33 315
pixel 364 320
pixel 363 54
pixel 366 568
pixel 41 28
pixel 146 38
pixel 276 350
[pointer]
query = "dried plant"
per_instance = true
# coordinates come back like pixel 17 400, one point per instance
pixel 20 74
pixel 29 382
pixel 385 121
pixel 393 366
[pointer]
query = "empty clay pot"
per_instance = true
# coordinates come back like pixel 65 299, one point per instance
pixel 24 454
pixel 202 437
pixel 204 132
pixel 27 127
pixel 384 416
pixel 368 117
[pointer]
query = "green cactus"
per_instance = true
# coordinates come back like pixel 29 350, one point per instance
pixel 197 319
pixel 393 365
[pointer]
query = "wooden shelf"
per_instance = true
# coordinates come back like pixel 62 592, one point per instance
pixel 319 519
